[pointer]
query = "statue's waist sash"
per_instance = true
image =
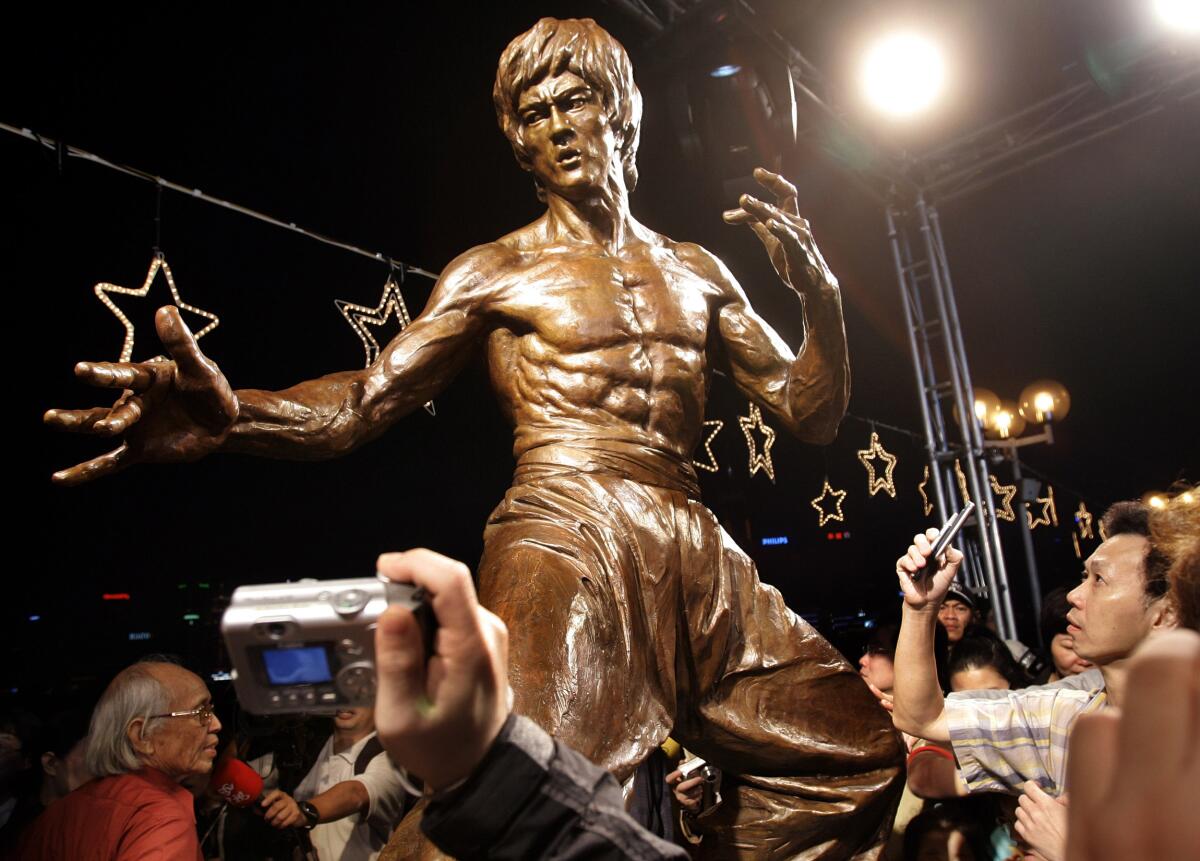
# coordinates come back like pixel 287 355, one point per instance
pixel 613 458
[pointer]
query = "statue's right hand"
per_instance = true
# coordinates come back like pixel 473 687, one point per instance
pixel 178 409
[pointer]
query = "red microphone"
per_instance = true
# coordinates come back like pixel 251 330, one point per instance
pixel 236 782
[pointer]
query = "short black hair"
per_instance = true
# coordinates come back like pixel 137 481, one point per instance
pixel 883 638
pixel 978 649
pixel 1055 607
pixel 1133 518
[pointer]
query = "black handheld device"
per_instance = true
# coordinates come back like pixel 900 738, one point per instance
pixel 951 529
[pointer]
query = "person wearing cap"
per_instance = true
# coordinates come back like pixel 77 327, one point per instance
pixel 958 612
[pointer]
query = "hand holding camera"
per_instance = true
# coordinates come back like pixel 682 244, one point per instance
pixel 438 717
pixel 413 640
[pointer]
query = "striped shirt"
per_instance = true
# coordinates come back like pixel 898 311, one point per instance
pixel 1004 738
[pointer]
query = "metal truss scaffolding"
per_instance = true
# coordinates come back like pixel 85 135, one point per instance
pixel 957 461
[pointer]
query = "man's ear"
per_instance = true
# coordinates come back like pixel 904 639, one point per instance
pixel 1163 614
pixel 49 764
pixel 134 731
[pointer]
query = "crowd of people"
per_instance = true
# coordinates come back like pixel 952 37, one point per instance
pixel 988 771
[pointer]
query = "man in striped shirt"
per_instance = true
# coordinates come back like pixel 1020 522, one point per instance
pixel 1003 739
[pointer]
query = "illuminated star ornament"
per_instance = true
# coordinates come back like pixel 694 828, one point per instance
pixel 926 505
pixel 1005 493
pixel 1083 521
pixel 1075 544
pixel 712 465
pixel 867 456
pixel 1049 515
pixel 103 289
pixel 758 461
pixel 838 497
pixel 391 304
pixel 962 481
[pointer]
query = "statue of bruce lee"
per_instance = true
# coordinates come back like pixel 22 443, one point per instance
pixel 632 613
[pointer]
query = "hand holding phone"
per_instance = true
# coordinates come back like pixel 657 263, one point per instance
pixel 920 590
pixel 950 531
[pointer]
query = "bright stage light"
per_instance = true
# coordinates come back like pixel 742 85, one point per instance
pixel 1182 15
pixel 903 74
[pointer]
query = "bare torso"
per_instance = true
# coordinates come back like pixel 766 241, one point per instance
pixel 591 345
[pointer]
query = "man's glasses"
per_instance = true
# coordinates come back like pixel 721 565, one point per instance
pixel 203 714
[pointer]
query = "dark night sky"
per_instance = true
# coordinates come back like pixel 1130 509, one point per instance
pixel 378 129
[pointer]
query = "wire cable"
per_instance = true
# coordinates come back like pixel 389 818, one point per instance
pixel 196 194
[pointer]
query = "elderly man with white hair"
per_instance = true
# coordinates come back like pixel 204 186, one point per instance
pixel 153 727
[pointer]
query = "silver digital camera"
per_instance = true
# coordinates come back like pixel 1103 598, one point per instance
pixel 310 646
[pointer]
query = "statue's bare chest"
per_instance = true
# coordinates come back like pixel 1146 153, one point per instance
pixel 584 302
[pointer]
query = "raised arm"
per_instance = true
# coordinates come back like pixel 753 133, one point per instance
pixel 808 392
pixel 918 707
pixel 183 409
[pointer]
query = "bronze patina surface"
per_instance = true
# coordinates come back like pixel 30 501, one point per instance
pixel 632 613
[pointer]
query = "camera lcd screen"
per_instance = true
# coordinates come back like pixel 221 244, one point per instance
pixel 305 665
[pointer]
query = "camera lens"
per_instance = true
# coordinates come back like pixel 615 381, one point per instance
pixel 276 630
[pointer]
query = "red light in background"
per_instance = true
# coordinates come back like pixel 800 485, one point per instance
pixel 115 596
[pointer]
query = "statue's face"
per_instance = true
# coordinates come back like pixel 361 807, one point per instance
pixel 566 135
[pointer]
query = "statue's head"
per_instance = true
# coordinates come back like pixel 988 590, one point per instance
pixel 582 47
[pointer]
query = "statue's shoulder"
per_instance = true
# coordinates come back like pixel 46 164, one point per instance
pixel 480 267
pixel 701 261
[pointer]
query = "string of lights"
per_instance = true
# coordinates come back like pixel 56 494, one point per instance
pixel 197 194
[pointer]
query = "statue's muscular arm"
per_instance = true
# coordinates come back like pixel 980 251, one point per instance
pixel 184 409
pixel 808 392
pixel 334 414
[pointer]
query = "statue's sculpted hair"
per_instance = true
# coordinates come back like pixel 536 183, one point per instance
pixel 583 47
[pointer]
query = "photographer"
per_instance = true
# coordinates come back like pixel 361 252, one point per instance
pixel 351 798
pixel 500 785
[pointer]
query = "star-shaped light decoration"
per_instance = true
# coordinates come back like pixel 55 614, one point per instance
pixel 926 505
pixel 758 461
pixel 1005 493
pixel 839 496
pixel 1084 520
pixel 712 465
pixel 1101 531
pixel 1075 544
pixel 103 289
pixel 867 456
pixel 391 304
pixel 1049 515
pixel 962 481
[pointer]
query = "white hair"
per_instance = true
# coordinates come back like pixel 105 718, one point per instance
pixel 134 693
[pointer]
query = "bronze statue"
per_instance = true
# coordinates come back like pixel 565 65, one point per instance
pixel 632 613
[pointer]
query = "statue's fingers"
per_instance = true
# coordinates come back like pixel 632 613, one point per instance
pixel 759 209
pixel 97 467
pixel 796 243
pixel 123 415
pixel 783 190
pixel 117 375
pixel 75 421
pixel 180 342
pixel 763 234
pixel 738 216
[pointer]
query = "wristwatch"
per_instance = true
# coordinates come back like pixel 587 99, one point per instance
pixel 311 815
